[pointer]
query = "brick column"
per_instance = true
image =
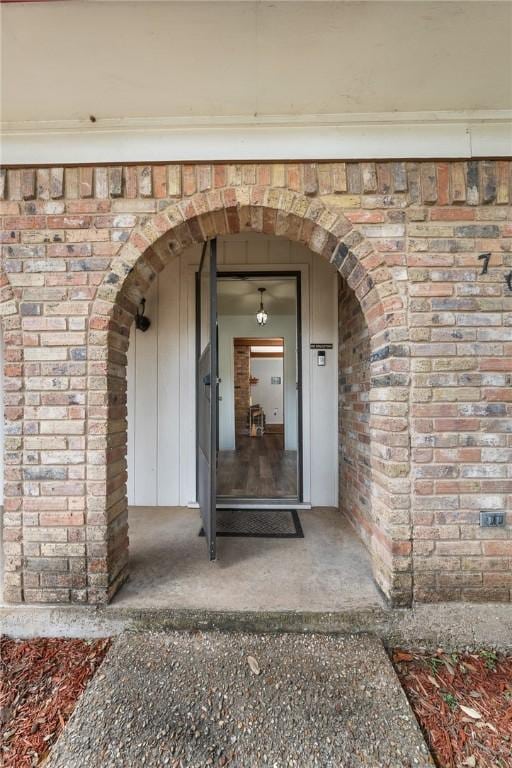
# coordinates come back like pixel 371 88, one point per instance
pixel 242 365
pixel 13 442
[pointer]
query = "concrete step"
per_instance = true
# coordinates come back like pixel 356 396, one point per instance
pixel 455 626
pixel 195 700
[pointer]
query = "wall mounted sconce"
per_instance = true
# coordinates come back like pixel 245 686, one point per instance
pixel 142 322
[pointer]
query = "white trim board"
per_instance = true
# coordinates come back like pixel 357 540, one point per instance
pixel 275 137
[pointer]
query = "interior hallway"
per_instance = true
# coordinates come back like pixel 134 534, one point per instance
pixel 260 468
pixel 328 570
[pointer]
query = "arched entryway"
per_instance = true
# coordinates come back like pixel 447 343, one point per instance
pixel 373 294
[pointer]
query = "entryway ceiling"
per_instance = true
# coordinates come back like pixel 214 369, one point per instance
pixel 190 60
pixel 241 297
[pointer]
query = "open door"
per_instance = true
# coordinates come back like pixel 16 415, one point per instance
pixel 207 385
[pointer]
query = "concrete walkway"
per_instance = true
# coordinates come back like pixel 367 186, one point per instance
pixel 190 700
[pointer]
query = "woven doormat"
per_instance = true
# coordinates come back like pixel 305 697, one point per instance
pixel 259 523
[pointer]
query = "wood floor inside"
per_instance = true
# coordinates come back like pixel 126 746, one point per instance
pixel 260 468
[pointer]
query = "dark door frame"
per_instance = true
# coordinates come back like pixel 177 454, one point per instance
pixel 298 293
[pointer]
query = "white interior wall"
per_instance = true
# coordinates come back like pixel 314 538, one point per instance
pixel 161 375
pixel 231 326
pixel 264 392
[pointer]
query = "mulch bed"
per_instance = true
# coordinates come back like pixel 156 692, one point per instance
pixel 40 683
pixel 463 703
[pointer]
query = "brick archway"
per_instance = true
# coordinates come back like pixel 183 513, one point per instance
pixel 150 246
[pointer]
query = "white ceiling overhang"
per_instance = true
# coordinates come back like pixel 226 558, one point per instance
pixel 91 82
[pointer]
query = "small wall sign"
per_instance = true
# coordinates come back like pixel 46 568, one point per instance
pixel 323 345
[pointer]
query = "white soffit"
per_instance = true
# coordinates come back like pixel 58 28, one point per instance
pixel 255 80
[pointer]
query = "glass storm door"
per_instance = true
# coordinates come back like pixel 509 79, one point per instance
pixel 207 385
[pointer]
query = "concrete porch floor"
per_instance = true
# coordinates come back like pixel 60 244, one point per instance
pixel 328 570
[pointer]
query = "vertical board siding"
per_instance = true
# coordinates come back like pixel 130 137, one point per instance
pixel 169 421
pixel 324 385
pixel 161 378
pixel 131 401
pixel 146 406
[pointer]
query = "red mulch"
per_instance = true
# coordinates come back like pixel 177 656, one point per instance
pixel 463 703
pixel 40 683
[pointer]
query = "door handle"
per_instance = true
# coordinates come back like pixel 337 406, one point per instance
pixel 207 380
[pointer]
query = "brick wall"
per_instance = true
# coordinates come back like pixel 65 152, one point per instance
pixel 354 416
pixel 80 247
pixel 242 372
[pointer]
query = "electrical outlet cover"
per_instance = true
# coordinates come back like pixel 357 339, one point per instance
pixel 492 519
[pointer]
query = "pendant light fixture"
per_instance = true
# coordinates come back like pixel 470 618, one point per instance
pixel 261 315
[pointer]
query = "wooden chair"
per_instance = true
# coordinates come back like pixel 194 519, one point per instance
pixel 256 421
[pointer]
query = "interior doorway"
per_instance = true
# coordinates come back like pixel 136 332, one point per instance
pixel 260 466
pixel 258 387
pixel 259 397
